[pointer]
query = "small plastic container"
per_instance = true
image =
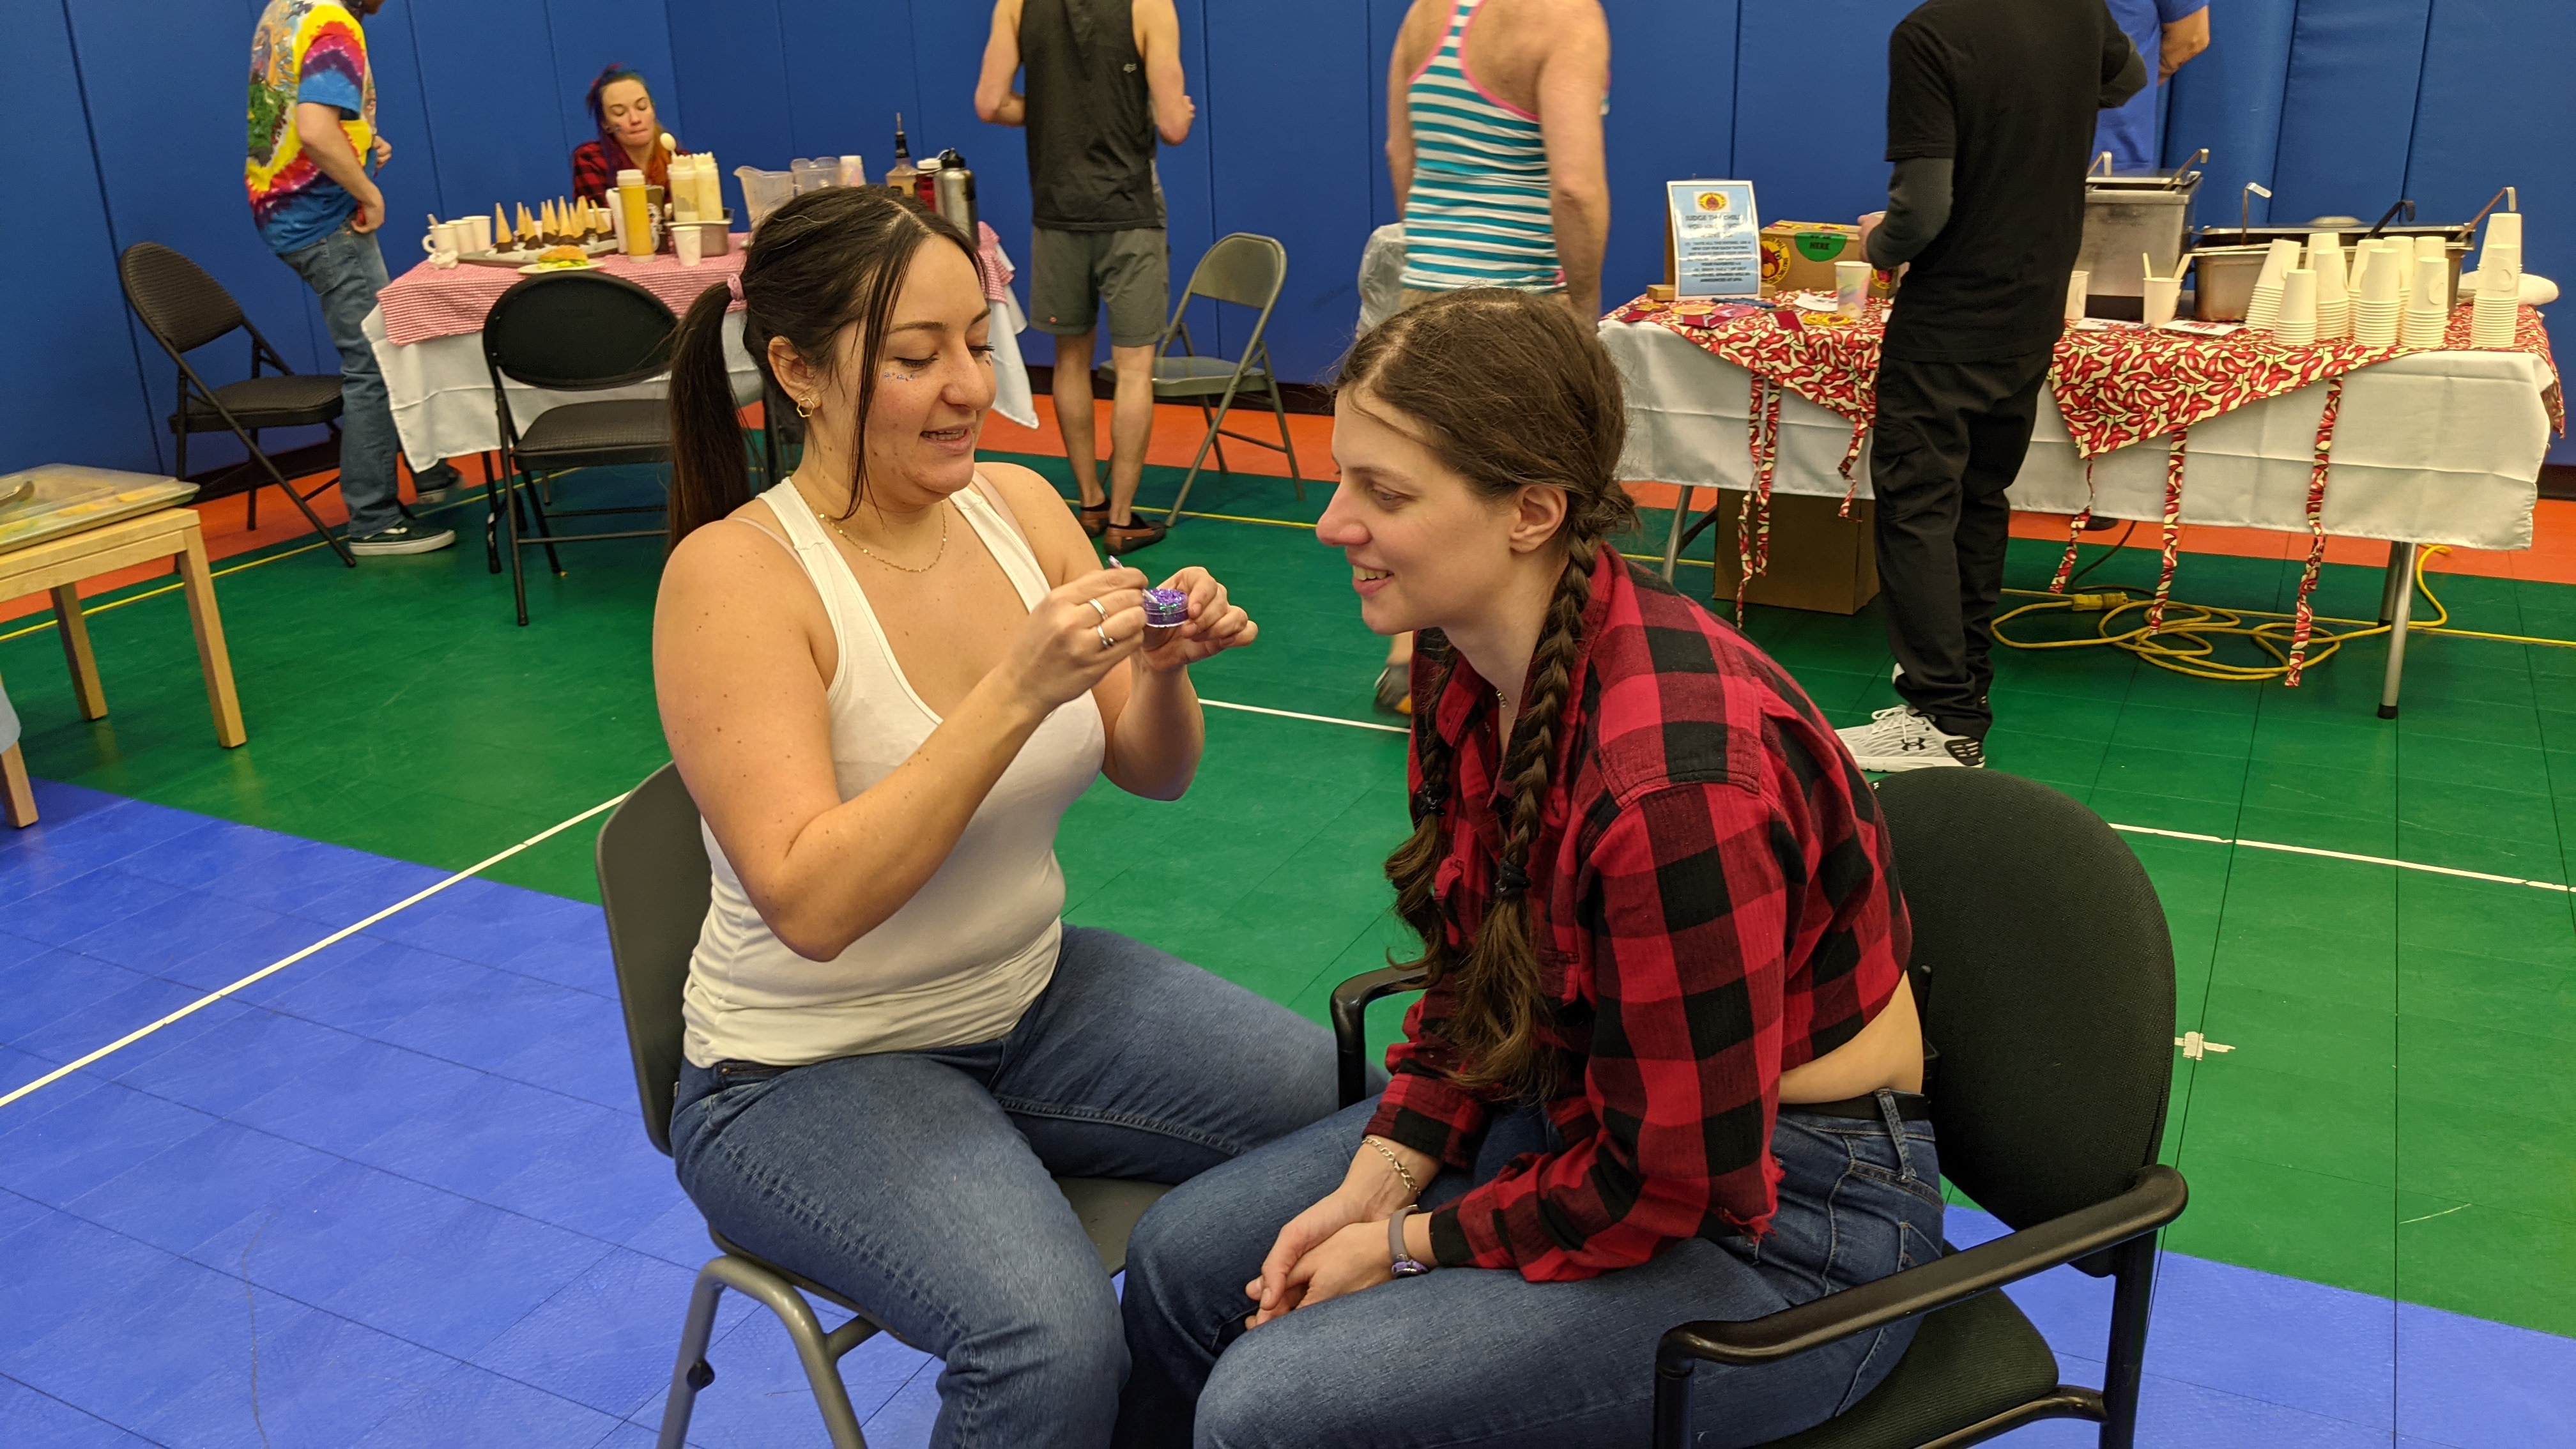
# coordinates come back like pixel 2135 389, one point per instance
pixel 1166 610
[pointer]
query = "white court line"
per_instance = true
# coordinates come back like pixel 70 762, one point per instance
pixel 469 872
pixel 271 969
pixel 1357 724
pixel 2538 885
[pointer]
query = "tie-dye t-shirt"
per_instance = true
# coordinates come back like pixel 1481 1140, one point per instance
pixel 305 51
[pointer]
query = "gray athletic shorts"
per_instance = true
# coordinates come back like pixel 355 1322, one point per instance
pixel 1072 272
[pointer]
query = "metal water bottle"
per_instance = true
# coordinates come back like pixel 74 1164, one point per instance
pixel 956 192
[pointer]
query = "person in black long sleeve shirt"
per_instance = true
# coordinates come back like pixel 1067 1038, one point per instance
pixel 1991 106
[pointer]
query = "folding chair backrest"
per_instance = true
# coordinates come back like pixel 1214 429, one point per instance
pixel 2041 953
pixel 182 306
pixel 653 882
pixel 578 331
pixel 1244 269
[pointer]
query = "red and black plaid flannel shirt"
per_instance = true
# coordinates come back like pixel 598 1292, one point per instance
pixel 594 175
pixel 1714 902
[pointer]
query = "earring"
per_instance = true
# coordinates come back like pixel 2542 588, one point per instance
pixel 805 409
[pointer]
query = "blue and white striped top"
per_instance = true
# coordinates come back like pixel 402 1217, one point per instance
pixel 1477 215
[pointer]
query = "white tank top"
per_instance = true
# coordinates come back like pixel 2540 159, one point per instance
pixel 976 944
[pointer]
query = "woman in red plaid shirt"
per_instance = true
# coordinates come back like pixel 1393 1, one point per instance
pixel 1667 1064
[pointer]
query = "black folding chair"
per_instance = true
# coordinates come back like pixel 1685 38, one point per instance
pixel 654 884
pixel 184 309
pixel 1247 271
pixel 2045 977
pixel 572 332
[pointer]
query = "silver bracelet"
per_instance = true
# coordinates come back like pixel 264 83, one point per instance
pixel 1393 1161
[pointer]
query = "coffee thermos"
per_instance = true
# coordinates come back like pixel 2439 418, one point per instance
pixel 956 192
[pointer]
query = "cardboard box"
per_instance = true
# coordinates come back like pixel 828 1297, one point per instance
pixel 1799 256
pixel 1819 560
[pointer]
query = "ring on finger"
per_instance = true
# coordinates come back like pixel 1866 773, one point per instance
pixel 1105 641
pixel 1099 608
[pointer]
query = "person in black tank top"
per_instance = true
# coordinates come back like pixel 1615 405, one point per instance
pixel 1103 83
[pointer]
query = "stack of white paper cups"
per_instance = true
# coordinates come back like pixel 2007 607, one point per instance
pixel 2334 300
pixel 2498 305
pixel 2296 326
pixel 2375 311
pixel 2435 248
pixel 2427 320
pixel 2266 302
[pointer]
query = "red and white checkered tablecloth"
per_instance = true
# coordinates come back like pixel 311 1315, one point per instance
pixel 426 302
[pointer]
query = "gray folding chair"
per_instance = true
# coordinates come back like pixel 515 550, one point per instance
pixel 653 881
pixel 1247 271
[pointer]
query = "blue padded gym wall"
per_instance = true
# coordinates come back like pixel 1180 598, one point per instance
pixel 2340 105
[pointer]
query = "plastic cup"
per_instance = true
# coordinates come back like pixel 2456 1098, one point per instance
pixel 689 245
pixel 1851 287
pixel 853 171
pixel 1166 610
pixel 2162 293
pixel 2078 287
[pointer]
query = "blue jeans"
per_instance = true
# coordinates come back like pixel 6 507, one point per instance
pixel 918 1183
pixel 1477 1356
pixel 346 270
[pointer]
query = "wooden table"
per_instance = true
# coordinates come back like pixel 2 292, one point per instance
pixel 57 565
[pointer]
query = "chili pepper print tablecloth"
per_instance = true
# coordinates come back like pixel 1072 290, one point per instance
pixel 2429 447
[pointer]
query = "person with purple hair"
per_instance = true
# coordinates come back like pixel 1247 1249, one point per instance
pixel 630 136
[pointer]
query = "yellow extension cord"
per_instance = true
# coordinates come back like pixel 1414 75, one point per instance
pixel 2189 641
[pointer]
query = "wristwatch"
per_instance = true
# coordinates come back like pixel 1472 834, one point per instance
pixel 1405 1264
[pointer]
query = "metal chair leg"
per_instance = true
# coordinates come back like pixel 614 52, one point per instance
pixel 691 1373
pixel 1287 444
pixel 507 505
pixel 545 527
pixel 813 1349
pixel 250 505
pixel 1215 430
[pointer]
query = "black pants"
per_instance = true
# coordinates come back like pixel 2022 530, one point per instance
pixel 1948 440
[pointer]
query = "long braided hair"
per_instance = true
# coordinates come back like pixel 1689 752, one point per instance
pixel 1507 389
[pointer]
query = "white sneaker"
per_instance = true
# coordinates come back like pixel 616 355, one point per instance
pixel 1905 738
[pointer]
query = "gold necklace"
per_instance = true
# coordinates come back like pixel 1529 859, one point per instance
pixel 890 563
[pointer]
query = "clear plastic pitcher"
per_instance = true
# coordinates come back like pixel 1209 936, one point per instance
pixel 764 191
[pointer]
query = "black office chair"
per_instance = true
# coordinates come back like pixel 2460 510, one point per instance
pixel 184 309
pixel 572 332
pixel 654 884
pixel 2045 977
pixel 1245 270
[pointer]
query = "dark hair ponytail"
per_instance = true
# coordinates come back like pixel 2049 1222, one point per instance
pixel 1507 389
pixel 825 261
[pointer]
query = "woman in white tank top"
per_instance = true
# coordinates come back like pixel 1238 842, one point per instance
pixel 885 680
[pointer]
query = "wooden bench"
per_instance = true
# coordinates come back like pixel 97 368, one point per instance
pixel 57 565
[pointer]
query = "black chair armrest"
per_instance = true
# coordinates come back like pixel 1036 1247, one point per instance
pixel 1350 1021
pixel 2155 1198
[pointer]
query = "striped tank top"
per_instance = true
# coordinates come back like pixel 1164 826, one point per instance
pixel 1477 215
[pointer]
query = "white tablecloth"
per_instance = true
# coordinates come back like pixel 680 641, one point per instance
pixel 2435 447
pixel 442 392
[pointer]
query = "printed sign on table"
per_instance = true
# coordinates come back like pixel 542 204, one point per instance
pixel 1717 238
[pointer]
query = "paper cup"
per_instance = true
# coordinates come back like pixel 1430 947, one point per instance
pixel 2161 295
pixel 2283 255
pixel 688 244
pixel 2297 324
pixel 2078 287
pixel 2502 256
pixel 478 233
pixel 2425 327
pixel 1851 287
pixel 2505 227
pixel 2264 308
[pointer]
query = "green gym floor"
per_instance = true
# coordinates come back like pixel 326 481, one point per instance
pixel 2389 1071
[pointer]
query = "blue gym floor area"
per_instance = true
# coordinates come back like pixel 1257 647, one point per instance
pixel 394 1192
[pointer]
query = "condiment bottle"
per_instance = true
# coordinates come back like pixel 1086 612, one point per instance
pixel 900 175
pixel 635 213
pixel 925 184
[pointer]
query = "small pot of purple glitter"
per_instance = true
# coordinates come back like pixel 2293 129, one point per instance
pixel 1166 610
